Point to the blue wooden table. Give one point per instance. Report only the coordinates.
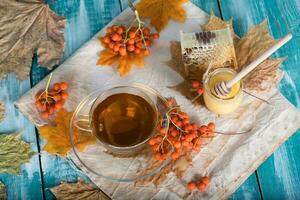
(277, 178)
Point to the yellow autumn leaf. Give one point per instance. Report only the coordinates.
(124, 63)
(160, 11)
(58, 136)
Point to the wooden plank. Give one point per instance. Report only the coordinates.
(279, 176)
(248, 190)
(84, 19)
(28, 184)
(124, 4)
(208, 6)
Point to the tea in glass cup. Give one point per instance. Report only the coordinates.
(123, 119)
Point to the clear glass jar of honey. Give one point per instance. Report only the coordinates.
(222, 104)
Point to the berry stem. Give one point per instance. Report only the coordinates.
(169, 117)
(47, 87)
(195, 98)
(127, 30)
(48, 82)
(165, 137)
(140, 24)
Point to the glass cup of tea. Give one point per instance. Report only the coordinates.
(122, 118)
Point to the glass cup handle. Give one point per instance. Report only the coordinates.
(83, 123)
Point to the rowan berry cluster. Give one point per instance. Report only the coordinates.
(51, 100)
(198, 87)
(178, 134)
(200, 185)
(133, 40)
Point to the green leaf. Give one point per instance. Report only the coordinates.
(2, 111)
(13, 152)
(2, 191)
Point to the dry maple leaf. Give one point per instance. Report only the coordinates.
(28, 27)
(160, 11)
(78, 191)
(2, 111)
(58, 136)
(265, 77)
(252, 45)
(124, 63)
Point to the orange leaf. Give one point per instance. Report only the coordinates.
(160, 11)
(58, 136)
(108, 57)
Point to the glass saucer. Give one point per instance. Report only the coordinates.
(98, 160)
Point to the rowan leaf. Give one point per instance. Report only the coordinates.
(124, 63)
(57, 136)
(2, 191)
(14, 152)
(160, 11)
(27, 27)
(2, 111)
(252, 45)
(79, 191)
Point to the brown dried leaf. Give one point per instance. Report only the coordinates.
(176, 62)
(252, 45)
(2, 111)
(182, 164)
(178, 166)
(265, 76)
(28, 27)
(215, 23)
(78, 191)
